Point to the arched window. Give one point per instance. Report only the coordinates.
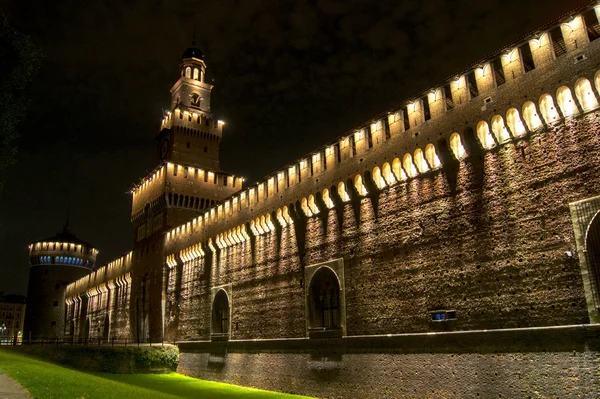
(592, 245)
(585, 94)
(431, 156)
(304, 205)
(499, 129)
(188, 72)
(378, 178)
(324, 300)
(286, 215)
(457, 147)
(531, 116)
(565, 101)
(420, 161)
(388, 175)
(484, 135)
(327, 199)
(515, 123)
(196, 73)
(312, 204)
(360, 187)
(342, 192)
(220, 313)
(408, 166)
(397, 170)
(547, 108)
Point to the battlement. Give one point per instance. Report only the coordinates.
(499, 98)
(110, 274)
(198, 123)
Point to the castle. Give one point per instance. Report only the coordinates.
(448, 247)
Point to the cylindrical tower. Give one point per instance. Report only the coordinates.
(55, 262)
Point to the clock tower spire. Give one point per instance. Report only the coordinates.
(190, 134)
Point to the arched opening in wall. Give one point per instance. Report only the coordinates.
(585, 94)
(188, 72)
(499, 129)
(592, 246)
(106, 328)
(378, 178)
(388, 175)
(531, 116)
(547, 108)
(431, 156)
(304, 205)
(397, 170)
(484, 136)
(324, 301)
(359, 185)
(342, 192)
(420, 162)
(515, 123)
(220, 314)
(312, 205)
(456, 146)
(327, 199)
(196, 73)
(565, 101)
(409, 166)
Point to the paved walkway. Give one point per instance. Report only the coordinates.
(10, 389)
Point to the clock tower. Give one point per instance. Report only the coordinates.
(186, 184)
(190, 134)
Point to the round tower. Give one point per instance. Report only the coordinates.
(55, 262)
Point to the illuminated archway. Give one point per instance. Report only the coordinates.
(327, 199)
(515, 123)
(548, 109)
(585, 94)
(409, 166)
(359, 185)
(420, 161)
(388, 175)
(397, 170)
(531, 116)
(456, 146)
(378, 178)
(565, 101)
(431, 156)
(485, 137)
(342, 192)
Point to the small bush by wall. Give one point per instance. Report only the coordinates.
(121, 360)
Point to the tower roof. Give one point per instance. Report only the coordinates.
(193, 52)
(66, 236)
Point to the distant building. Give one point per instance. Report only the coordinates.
(12, 318)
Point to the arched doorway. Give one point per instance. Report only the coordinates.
(324, 303)
(220, 314)
(592, 246)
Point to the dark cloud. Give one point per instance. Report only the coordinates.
(288, 77)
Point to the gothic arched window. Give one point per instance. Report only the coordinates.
(220, 313)
(324, 300)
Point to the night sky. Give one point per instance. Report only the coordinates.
(289, 76)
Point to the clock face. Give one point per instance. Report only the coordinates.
(164, 149)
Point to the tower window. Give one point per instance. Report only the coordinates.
(188, 72)
(196, 73)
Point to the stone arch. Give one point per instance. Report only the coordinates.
(305, 208)
(397, 170)
(585, 94)
(532, 119)
(327, 198)
(457, 147)
(359, 185)
(388, 174)
(420, 162)
(220, 313)
(343, 192)
(565, 101)
(324, 304)
(431, 156)
(378, 178)
(548, 109)
(485, 137)
(515, 123)
(312, 205)
(499, 129)
(409, 166)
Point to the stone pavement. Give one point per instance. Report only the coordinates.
(10, 389)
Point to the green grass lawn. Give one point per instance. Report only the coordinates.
(47, 380)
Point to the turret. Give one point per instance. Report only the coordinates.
(55, 262)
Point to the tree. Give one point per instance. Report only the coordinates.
(19, 63)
